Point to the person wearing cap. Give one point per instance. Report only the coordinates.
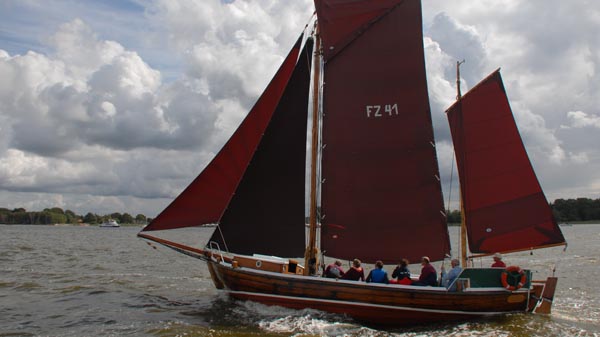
(428, 274)
(498, 261)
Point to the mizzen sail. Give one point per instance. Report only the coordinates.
(381, 195)
(505, 208)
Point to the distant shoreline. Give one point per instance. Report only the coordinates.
(69, 225)
(588, 222)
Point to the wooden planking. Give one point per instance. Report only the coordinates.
(545, 306)
(318, 288)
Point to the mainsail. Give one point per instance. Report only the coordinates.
(505, 208)
(381, 193)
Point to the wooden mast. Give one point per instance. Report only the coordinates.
(311, 254)
(463, 225)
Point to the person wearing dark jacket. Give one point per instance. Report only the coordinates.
(401, 273)
(428, 274)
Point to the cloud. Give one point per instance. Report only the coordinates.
(89, 117)
(441, 85)
(459, 42)
(579, 119)
(109, 106)
(550, 73)
(70, 117)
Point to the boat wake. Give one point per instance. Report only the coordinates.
(274, 319)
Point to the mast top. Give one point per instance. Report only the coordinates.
(458, 94)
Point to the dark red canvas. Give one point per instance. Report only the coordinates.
(505, 208)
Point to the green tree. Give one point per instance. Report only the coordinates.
(566, 210)
(140, 219)
(116, 216)
(454, 217)
(90, 218)
(57, 210)
(4, 214)
(580, 209)
(126, 218)
(19, 216)
(71, 216)
(51, 217)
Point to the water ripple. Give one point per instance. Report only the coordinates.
(109, 283)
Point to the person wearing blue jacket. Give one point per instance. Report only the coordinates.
(378, 275)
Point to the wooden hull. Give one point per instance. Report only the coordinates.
(371, 303)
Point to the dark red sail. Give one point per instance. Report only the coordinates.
(505, 208)
(267, 213)
(381, 195)
(206, 198)
(341, 21)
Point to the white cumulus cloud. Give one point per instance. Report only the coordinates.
(102, 107)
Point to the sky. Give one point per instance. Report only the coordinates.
(117, 105)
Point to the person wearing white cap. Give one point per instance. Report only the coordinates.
(498, 261)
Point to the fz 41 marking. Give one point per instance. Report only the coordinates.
(377, 111)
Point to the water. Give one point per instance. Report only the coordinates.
(90, 281)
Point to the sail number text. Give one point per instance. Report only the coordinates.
(386, 110)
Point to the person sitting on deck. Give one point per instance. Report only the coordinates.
(428, 274)
(355, 272)
(378, 275)
(498, 261)
(401, 273)
(448, 279)
(334, 270)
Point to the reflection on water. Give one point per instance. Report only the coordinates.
(88, 281)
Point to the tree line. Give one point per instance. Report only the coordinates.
(57, 215)
(569, 210)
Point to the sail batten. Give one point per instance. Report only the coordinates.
(505, 208)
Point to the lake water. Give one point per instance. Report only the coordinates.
(90, 281)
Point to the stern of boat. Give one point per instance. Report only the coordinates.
(542, 295)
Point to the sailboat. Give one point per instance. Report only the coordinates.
(354, 87)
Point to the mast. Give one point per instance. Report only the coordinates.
(311, 254)
(463, 225)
